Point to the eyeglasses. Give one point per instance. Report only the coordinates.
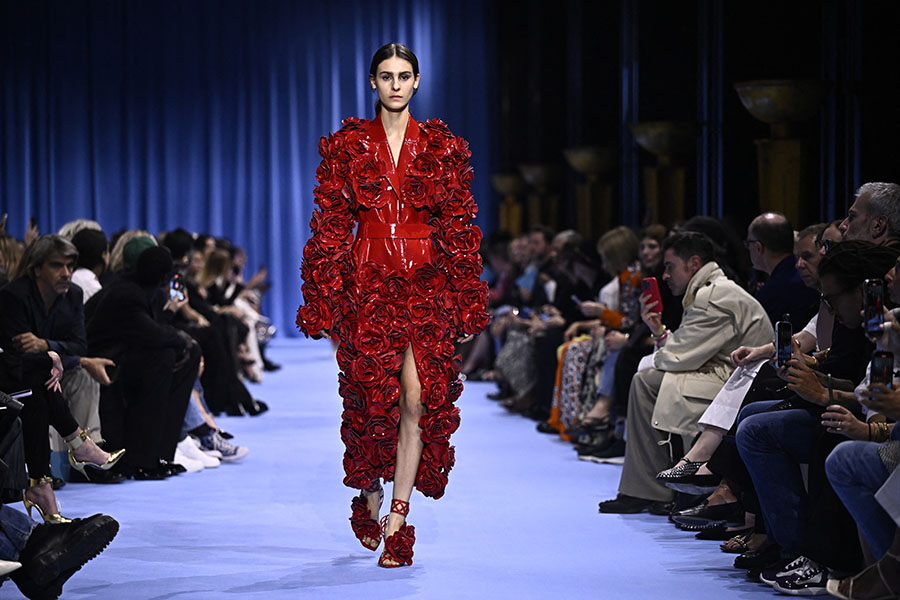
(830, 299)
(826, 244)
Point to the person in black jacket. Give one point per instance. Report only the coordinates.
(42, 334)
(128, 321)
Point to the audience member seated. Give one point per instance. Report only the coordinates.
(223, 390)
(93, 258)
(45, 556)
(770, 242)
(42, 335)
(773, 443)
(222, 293)
(587, 402)
(144, 409)
(689, 368)
(875, 215)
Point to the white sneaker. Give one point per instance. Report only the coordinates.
(190, 464)
(187, 447)
(8, 566)
(204, 450)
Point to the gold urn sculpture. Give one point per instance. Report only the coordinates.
(594, 197)
(665, 184)
(784, 159)
(543, 203)
(511, 186)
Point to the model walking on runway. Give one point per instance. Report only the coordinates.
(396, 297)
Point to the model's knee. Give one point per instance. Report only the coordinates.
(411, 404)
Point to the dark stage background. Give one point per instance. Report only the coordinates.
(207, 114)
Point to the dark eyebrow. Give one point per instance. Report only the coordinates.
(400, 73)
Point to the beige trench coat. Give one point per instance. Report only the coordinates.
(719, 316)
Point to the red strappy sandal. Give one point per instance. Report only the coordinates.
(398, 547)
(364, 526)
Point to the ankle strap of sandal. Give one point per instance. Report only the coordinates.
(401, 507)
(76, 442)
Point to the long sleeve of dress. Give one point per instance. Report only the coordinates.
(326, 265)
(456, 239)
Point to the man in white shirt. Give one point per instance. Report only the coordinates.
(93, 258)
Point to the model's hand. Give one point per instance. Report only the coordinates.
(56, 373)
(96, 368)
(464, 339)
(881, 398)
(27, 343)
(838, 419)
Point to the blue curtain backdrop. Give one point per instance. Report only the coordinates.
(206, 114)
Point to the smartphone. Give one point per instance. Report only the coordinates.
(882, 370)
(784, 334)
(650, 287)
(525, 312)
(176, 288)
(873, 305)
(20, 394)
(111, 371)
(32, 222)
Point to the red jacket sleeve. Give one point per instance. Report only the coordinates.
(327, 256)
(456, 239)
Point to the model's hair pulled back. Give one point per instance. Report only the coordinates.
(389, 51)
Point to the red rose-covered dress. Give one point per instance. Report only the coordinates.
(409, 277)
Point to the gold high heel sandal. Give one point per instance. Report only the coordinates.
(76, 442)
(53, 519)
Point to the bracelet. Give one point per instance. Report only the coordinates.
(662, 335)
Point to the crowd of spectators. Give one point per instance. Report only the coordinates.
(120, 352)
(782, 448)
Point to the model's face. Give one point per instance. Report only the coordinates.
(56, 273)
(845, 304)
(856, 225)
(678, 272)
(395, 83)
(651, 253)
(808, 258)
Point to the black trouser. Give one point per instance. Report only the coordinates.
(143, 410)
(42, 409)
(222, 389)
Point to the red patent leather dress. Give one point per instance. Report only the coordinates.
(409, 277)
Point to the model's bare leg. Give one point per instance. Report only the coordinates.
(409, 444)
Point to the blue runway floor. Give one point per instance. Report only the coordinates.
(519, 519)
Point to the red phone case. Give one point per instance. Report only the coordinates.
(650, 287)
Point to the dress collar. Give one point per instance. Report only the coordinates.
(407, 150)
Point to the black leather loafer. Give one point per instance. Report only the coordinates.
(700, 516)
(625, 505)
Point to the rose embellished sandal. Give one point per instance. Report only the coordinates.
(364, 526)
(398, 547)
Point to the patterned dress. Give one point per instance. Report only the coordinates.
(409, 278)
